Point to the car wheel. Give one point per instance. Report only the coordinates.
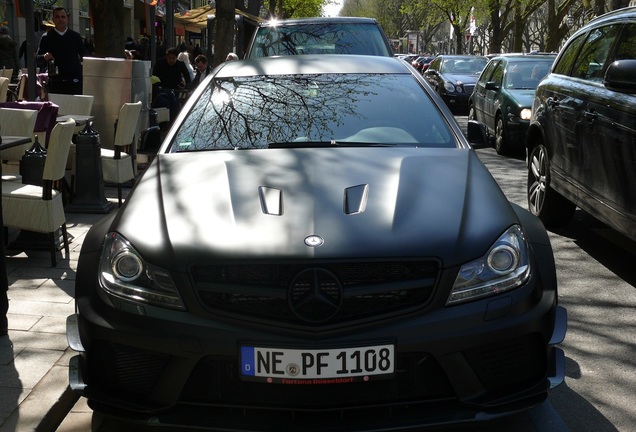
(501, 141)
(543, 201)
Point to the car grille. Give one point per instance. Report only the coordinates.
(311, 294)
(468, 88)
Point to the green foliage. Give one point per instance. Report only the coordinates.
(296, 8)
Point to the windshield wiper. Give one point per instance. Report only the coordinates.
(324, 144)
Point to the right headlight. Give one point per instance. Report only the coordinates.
(504, 267)
(123, 273)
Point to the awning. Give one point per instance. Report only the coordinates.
(198, 18)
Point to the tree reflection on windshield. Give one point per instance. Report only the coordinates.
(252, 112)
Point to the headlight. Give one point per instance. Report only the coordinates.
(525, 114)
(504, 267)
(449, 87)
(124, 273)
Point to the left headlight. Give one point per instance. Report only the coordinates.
(124, 273)
(504, 267)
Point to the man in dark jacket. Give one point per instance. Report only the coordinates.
(173, 76)
(202, 70)
(8, 51)
(64, 50)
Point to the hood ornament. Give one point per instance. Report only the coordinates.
(314, 241)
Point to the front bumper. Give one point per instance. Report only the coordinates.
(476, 361)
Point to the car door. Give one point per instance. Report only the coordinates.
(491, 99)
(576, 77)
(479, 94)
(608, 177)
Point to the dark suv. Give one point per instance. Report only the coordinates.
(581, 142)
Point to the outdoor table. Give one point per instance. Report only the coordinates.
(80, 120)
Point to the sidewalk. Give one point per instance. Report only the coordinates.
(34, 357)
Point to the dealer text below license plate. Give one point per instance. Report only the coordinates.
(313, 366)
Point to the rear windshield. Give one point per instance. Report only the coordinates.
(312, 110)
(324, 38)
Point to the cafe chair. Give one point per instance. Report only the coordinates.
(40, 208)
(4, 88)
(6, 73)
(18, 122)
(118, 165)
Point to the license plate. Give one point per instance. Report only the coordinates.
(317, 366)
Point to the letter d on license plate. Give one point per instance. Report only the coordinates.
(317, 366)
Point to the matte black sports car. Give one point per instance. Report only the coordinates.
(305, 253)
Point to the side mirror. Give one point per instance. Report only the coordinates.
(477, 134)
(491, 85)
(620, 76)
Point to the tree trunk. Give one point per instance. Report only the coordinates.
(108, 23)
(495, 27)
(224, 41)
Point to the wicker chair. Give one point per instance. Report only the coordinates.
(118, 165)
(40, 208)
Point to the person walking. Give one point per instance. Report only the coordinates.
(64, 50)
(8, 51)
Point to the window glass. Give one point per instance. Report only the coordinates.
(487, 73)
(590, 63)
(260, 112)
(319, 39)
(564, 66)
(626, 48)
(497, 75)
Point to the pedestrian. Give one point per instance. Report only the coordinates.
(8, 51)
(61, 51)
(174, 76)
(203, 69)
(231, 56)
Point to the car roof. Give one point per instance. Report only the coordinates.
(318, 20)
(313, 64)
(616, 15)
(525, 58)
(460, 56)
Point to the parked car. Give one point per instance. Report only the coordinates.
(332, 35)
(305, 253)
(421, 63)
(582, 138)
(503, 95)
(454, 78)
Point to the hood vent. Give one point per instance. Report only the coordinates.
(355, 199)
(271, 200)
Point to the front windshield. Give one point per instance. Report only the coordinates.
(526, 75)
(311, 110)
(464, 66)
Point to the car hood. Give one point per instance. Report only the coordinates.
(363, 202)
(466, 79)
(522, 98)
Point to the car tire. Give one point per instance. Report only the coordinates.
(501, 140)
(551, 207)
